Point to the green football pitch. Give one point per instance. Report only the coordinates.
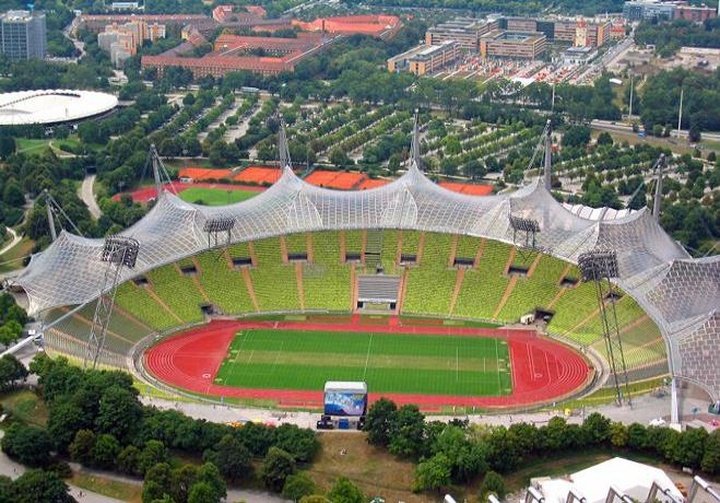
(389, 363)
(215, 197)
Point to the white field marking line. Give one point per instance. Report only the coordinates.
(457, 364)
(367, 357)
(233, 369)
(497, 370)
(277, 357)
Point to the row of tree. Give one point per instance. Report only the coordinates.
(458, 453)
(95, 418)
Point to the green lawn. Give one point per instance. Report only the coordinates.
(28, 145)
(390, 363)
(215, 197)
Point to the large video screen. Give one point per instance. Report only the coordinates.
(339, 403)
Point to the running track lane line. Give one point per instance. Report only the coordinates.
(170, 362)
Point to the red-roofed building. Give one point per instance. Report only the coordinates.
(231, 54)
(375, 25)
(97, 22)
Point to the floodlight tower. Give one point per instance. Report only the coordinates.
(527, 225)
(215, 226)
(599, 266)
(117, 252)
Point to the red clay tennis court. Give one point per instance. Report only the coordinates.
(542, 370)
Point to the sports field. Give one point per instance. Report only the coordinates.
(215, 197)
(287, 361)
(390, 363)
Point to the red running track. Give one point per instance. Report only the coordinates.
(542, 370)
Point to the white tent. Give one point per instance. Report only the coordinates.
(624, 476)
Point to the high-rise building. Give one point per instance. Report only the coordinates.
(23, 35)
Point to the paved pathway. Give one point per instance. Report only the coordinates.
(13, 470)
(87, 195)
(15, 240)
(643, 410)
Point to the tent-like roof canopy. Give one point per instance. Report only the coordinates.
(681, 294)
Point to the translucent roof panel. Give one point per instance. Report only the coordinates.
(678, 292)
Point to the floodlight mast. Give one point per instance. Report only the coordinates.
(599, 266)
(117, 252)
(214, 226)
(527, 225)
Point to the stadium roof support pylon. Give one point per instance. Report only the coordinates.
(681, 294)
(547, 170)
(657, 201)
(415, 144)
(283, 148)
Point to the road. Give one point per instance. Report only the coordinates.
(622, 128)
(85, 192)
(13, 470)
(15, 240)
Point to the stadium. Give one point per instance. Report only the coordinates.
(55, 106)
(411, 287)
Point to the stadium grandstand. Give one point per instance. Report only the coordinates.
(297, 247)
(53, 106)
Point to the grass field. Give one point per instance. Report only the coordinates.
(390, 363)
(215, 197)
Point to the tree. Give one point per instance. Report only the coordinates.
(81, 447)
(182, 480)
(618, 434)
(711, 459)
(492, 483)
(297, 486)
(406, 438)
(209, 475)
(153, 453)
(604, 138)
(202, 493)
(380, 421)
(344, 491)
(338, 157)
(105, 451)
(690, 448)
(232, 458)
(119, 413)
(34, 486)
(277, 466)
(301, 443)
(597, 428)
(128, 461)
(433, 474)
(11, 371)
(7, 147)
(64, 421)
(13, 194)
(29, 445)
(576, 136)
(157, 482)
(694, 134)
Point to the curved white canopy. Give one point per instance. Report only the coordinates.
(681, 294)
